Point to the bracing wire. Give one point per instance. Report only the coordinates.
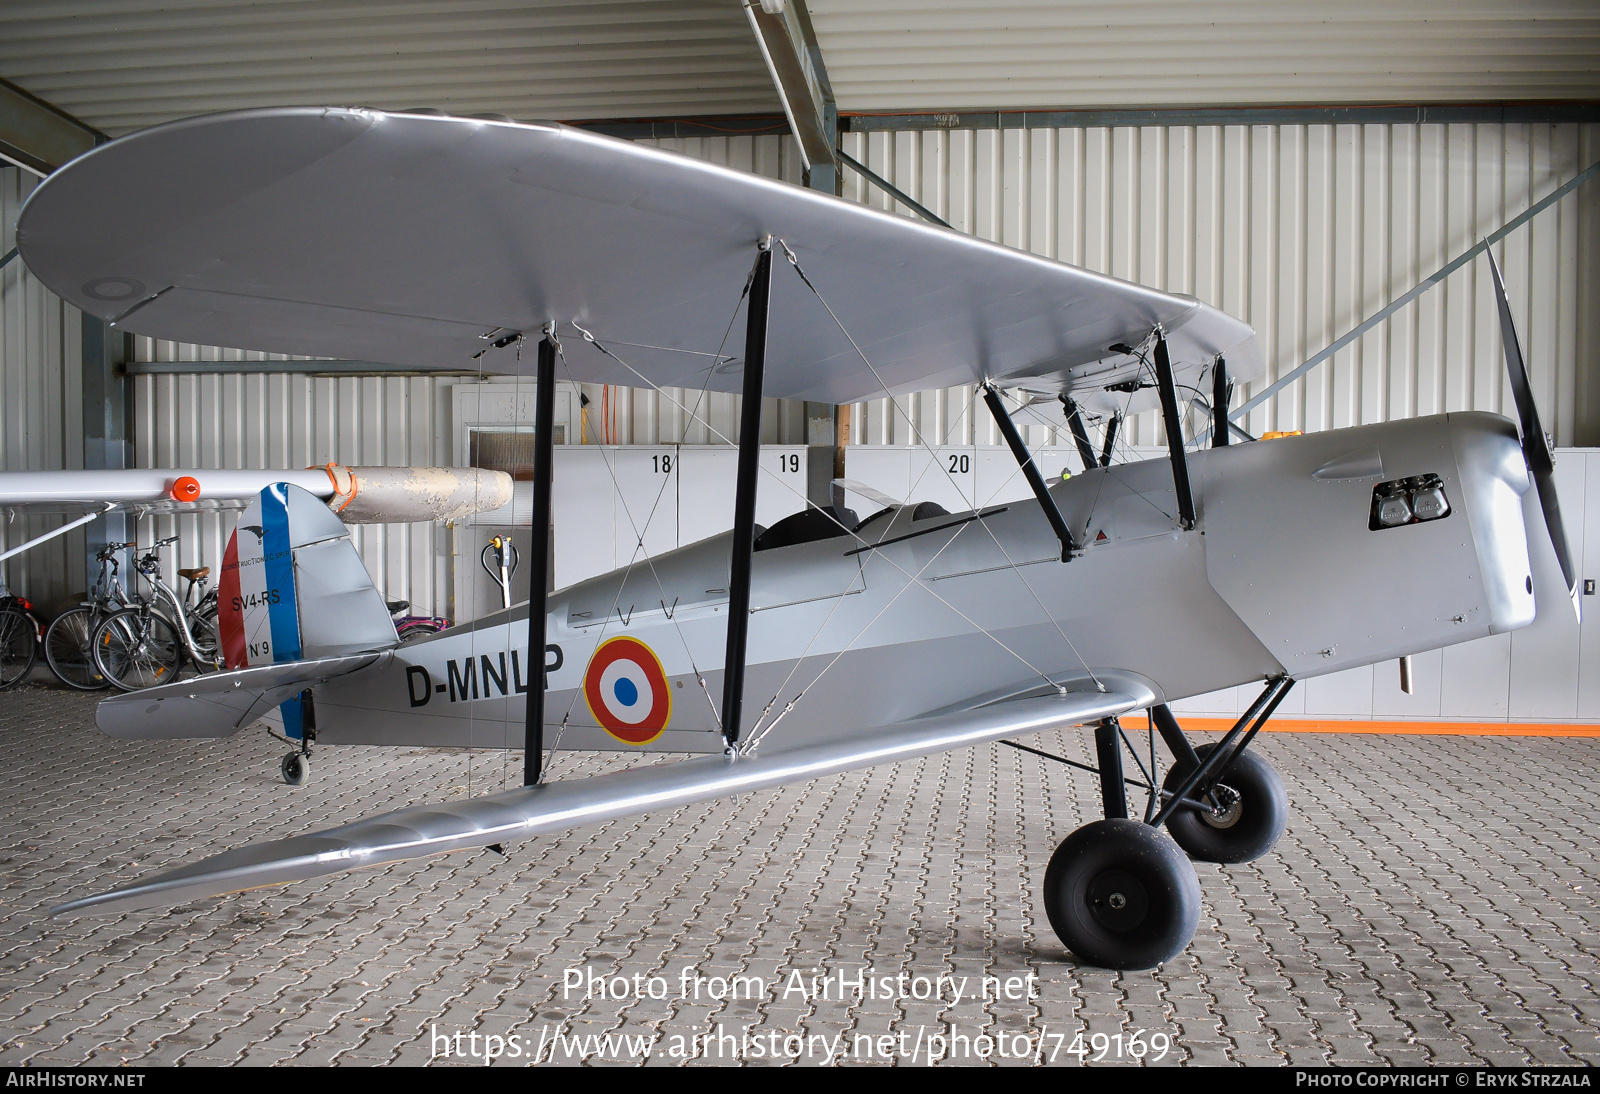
(692, 415)
(808, 502)
(794, 261)
(638, 532)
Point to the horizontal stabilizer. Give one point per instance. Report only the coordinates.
(219, 704)
(423, 830)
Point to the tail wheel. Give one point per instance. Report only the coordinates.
(1121, 895)
(296, 768)
(1251, 812)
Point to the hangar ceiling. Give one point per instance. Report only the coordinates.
(123, 64)
(927, 55)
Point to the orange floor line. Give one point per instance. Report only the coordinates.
(1331, 725)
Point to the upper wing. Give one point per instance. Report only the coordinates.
(422, 240)
(515, 814)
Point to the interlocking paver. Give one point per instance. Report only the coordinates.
(1432, 902)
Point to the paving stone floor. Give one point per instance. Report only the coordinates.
(1434, 901)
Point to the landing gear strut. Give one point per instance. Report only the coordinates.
(296, 766)
(1123, 895)
(1247, 812)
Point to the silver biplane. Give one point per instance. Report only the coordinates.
(825, 642)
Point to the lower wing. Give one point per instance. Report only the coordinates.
(423, 830)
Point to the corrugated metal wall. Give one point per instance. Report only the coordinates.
(41, 404)
(1302, 231)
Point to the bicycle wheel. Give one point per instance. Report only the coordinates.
(416, 631)
(18, 646)
(137, 649)
(207, 639)
(68, 653)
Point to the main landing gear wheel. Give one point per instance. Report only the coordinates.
(296, 768)
(1121, 895)
(1252, 810)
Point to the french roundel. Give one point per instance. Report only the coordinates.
(627, 691)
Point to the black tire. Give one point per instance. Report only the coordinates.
(1257, 812)
(70, 653)
(19, 645)
(207, 637)
(137, 649)
(296, 768)
(1121, 895)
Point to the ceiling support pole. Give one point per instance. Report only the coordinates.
(1008, 430)
(37, 136)
(744, 501)
(108, 420)
(1174, 425)
(539, 565)
(788, 45)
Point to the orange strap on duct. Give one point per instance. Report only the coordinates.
(345, 487)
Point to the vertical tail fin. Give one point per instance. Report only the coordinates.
(293, 587)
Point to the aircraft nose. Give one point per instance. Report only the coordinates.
(1494, 481)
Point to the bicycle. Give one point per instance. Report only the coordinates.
(19, 638)
(68, 649)
(140, 647)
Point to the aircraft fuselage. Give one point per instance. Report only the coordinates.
(1289, 569)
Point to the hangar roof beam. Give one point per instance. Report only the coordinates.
(789, 46)
(38, 137)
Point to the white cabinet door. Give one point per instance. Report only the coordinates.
(781, 488)
(647, 501)
(1544, 656)
(582, 502)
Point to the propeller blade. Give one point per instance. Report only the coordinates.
(1535, 443)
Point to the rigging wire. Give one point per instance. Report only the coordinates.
(860, 539)
(638, 533)
(917, 433)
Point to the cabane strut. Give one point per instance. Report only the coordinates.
(1174, 426)
(1008, 429)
